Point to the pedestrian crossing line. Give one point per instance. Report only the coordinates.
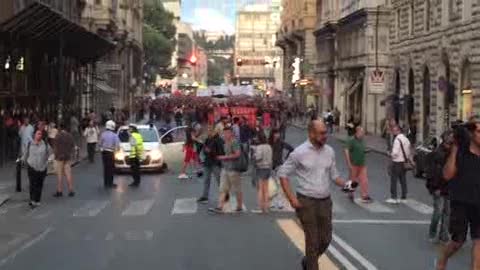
(138, 208)
(355, 254)
(110, 236)
(185, 206)
(291, 229)
(91, 209)
(374, 207)
(138, 235)
(5, 185)
(419, 206)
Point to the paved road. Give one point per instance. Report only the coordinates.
(160, 226)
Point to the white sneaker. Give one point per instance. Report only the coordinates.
(392, 201)
(403, 200)
(183, 176)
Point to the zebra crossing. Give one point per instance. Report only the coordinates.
(189, 206)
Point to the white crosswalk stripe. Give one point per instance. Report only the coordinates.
(374, 207)
(138, 208)
(91, 209)
(419, 207)
(185, 206)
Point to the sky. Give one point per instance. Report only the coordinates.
(213, 15)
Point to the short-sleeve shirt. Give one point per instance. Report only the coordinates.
(313, 168)
(230, 148)
(356, 148)
(465, 187)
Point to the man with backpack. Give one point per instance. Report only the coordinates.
(230, 175)
(213, 147)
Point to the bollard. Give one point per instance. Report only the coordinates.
(18, 175)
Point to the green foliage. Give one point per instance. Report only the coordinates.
(218, 67)
(158, 37)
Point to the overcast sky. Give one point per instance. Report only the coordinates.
(213, 15)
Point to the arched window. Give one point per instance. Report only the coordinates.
(427, 15)
(426, 103)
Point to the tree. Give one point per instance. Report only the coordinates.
(158, 38)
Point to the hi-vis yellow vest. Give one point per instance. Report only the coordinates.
(137, 150)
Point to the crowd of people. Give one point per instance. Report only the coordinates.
(223, 151)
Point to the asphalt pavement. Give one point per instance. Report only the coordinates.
(160, 226)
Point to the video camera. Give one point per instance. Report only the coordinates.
(461, 134)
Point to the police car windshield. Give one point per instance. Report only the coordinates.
(148, 135)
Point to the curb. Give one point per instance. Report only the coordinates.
(4, 199)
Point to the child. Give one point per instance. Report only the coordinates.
(191, 157)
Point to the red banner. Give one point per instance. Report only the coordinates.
(247, 112)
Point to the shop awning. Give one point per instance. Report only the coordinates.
(104, 87)
(46, 26)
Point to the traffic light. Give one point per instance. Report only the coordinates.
(193, 59)
(239, 61)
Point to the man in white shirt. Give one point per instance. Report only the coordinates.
(26, 135)
(313, 165)
(400, 154)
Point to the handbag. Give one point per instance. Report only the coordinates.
(408, 164)
(241, 165)
(272, 188)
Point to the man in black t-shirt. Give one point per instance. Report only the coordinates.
(462, 171)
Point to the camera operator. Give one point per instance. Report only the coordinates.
(462, 170)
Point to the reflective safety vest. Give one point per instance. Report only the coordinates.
(137, 149)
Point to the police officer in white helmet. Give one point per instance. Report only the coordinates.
(109, 143)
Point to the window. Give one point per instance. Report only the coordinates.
(398, 23)
(427, 15)
(412, 18)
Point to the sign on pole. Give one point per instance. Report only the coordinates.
(377, 82)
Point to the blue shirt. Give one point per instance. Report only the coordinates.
(109, 141)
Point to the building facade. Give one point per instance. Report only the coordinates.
(353, 59)
(43, 70)
(255, 52)
(119, 74)
(435, 55)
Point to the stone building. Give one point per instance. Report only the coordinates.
(435, 51)
(119, 74)
(295, 37)
(353, 61)
(255, 46)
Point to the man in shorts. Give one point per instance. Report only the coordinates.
(229, 177)
(462, 171)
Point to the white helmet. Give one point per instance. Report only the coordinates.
(110, 125)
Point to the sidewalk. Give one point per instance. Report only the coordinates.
(374, 143)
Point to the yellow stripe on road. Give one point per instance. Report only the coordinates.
(296, 235)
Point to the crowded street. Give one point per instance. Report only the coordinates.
(160, 223)
(240, 134)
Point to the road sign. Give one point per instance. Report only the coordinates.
(377, 82)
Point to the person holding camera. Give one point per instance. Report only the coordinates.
(462, 171)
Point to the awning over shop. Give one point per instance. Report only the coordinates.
(104, 87)
(43, 24)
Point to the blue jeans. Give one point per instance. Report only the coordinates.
(440, 216)
(210, 171)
